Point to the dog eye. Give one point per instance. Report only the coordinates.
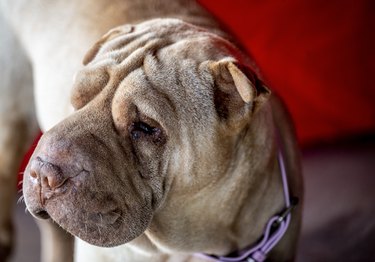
(141, 129)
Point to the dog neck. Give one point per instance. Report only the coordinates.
(275, 228)
(257, 167)
(244, 199)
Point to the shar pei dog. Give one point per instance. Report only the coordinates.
(166, 146)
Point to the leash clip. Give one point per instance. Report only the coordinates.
(286, 212)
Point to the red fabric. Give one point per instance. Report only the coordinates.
(318, 55)
(26, 159)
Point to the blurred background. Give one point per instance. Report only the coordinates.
(319, 56)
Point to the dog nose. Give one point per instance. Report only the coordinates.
(49, 176)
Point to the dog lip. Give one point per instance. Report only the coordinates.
(48, 194)
(41, 214)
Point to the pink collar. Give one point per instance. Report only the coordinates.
(274, 229)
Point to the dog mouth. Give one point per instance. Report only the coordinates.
(40, 213)
(109, 218)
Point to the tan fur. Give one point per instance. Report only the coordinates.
(171, 149)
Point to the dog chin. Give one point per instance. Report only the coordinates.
(108, 229)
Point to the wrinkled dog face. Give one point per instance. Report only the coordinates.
(153, 103)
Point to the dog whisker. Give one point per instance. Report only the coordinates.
(100, 234)
(20, 200)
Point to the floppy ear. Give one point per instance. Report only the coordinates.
(90, 55)
(238, 93)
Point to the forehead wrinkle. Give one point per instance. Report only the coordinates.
(142, 42)
(163, 78)
(160, 92)
(123, 40)
(136, 58)
(159, 77)
(151, 101)
(120, 50)
(119, 71)
(183, 82)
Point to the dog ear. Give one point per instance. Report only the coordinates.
(238, 93)
(90, 55)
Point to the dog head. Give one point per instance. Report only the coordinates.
(157, 106)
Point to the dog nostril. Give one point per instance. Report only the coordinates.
(51, 181)
(33, 174)
(42, 214)
(46, 181)
(50, 176)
